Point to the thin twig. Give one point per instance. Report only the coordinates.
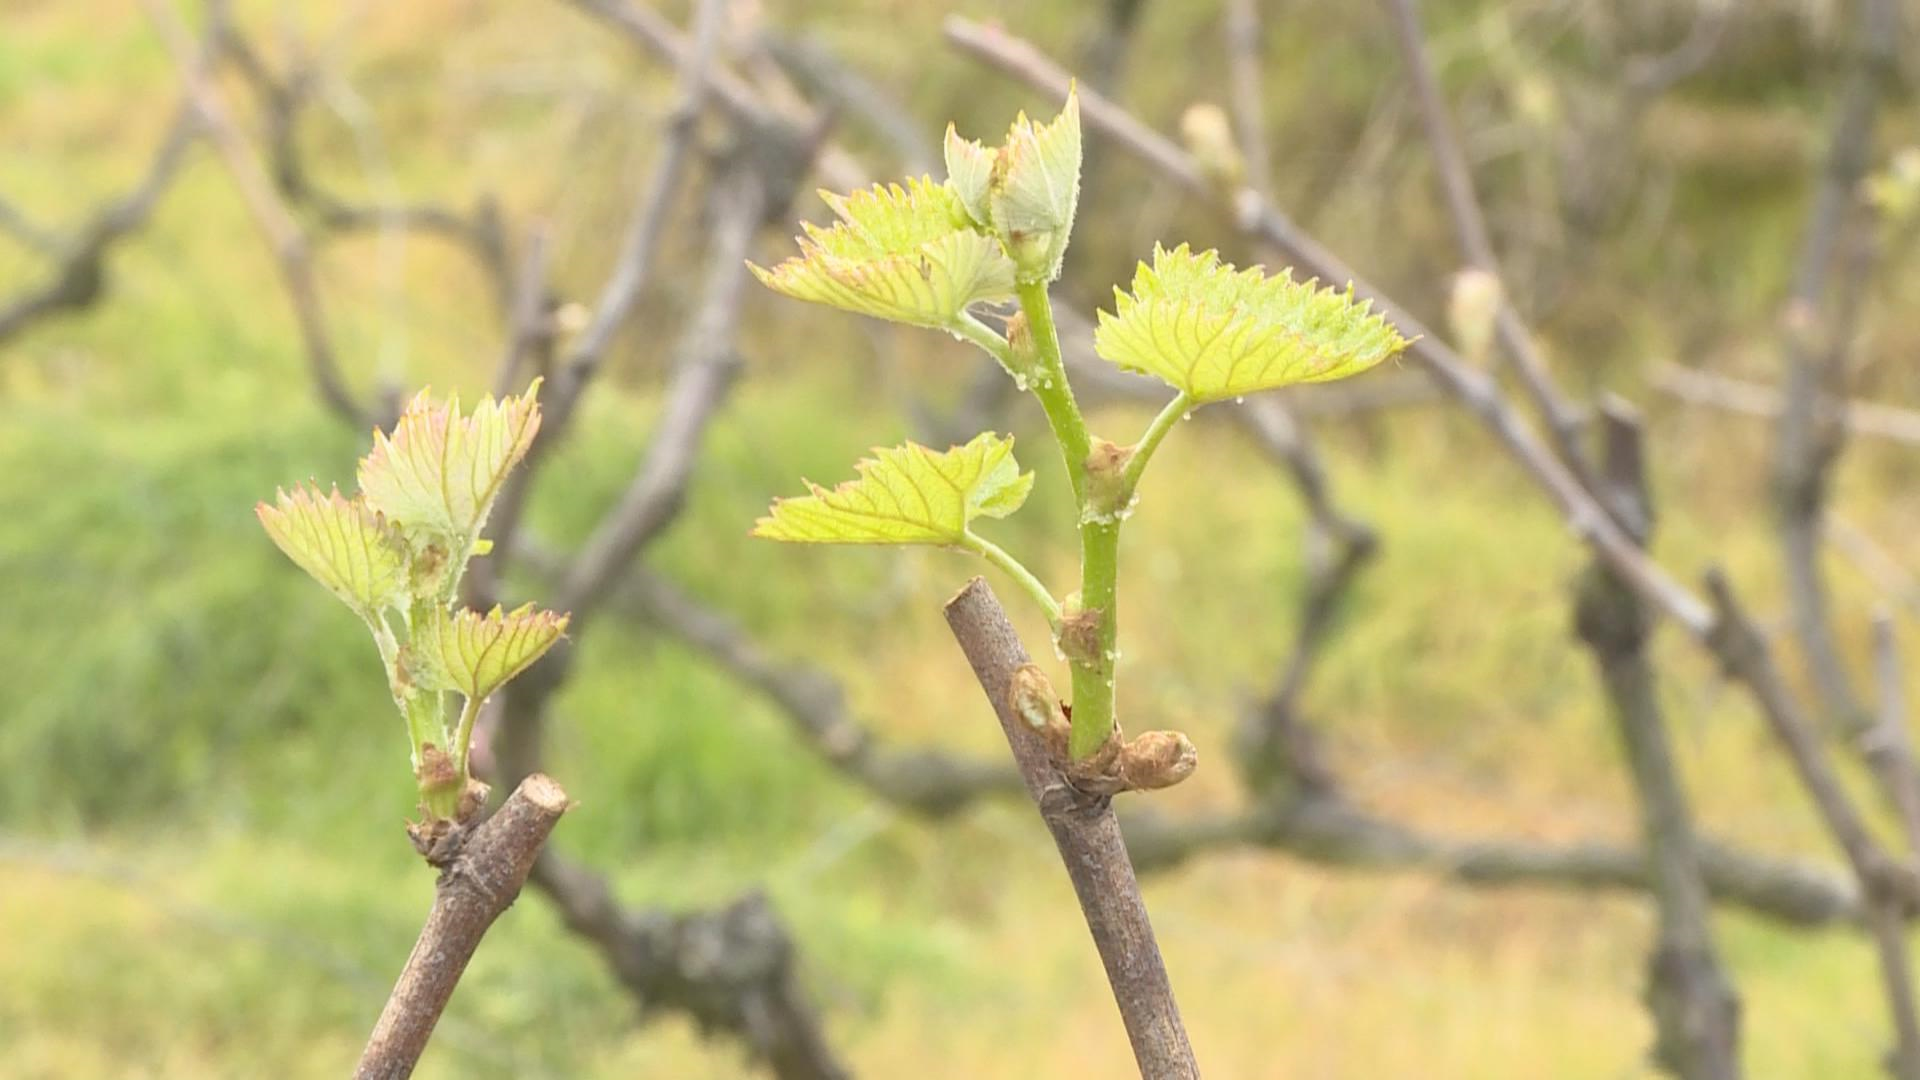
(1334, 832)
(285, 240)
(1810, 440)
(529, 315)
(1889, 888)
(1091, 848)
(632, 267)
(1274, 738)
(1245, 43)
(706, 369)
(1888, 746)
(475, 888)
(816, 69)
(1724, 392)
(1517, 341)
(929, 782)
(78, 276)
(283, 100)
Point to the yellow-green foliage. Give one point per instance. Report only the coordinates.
(1215, 333)
(907, 495)
(904, 253)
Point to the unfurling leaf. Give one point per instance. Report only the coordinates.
(1035, 190)
(439, 471)
(909, 254)
(475, 653)
(1215, 333)
(344, 543)
(906, 495)
(969, 171)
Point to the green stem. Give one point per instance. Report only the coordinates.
(1093, 669)
(1056, 397)
(1179, 408)
(463, 737)
(425, 723)
(1092, 655)
(987, 338)
(1017, 570)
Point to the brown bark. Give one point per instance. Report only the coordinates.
(1091, 848)
(476, 886)
(1696, 1011)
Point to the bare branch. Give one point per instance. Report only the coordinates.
(80, 264)
(622, 289)
(1476, 244)
(1887, 746)
(1810, 439)
(1740, 645)
(1104, 57)
(1244, 40)
(1695, 1009)
(476, 887)
(529, 315)
(1697, 387)
(1091, 847)
(706, 369)
(731, 969)
(1650, 75)
(925, 781)
(14, 222)
(933, 783)
(655, 35)
(1273, 738)
(1334, 832)
(275, 223)
(1890, 889)
(823, 75)
(283, 99)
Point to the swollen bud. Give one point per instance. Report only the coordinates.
(1107, 494)
(1209, 138)
(1472, 310)
(1157, 759)
(1033, 190)
(1023, 357)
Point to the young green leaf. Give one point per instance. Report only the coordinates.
(908, 254)
(477, 653)
(906, 495)
(1214, 332)
(344, 543)
(1035, 189)
(439, 471)
(969, 172)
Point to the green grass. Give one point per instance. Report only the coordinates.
(201, 866)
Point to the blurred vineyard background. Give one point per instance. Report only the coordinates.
(201, 866)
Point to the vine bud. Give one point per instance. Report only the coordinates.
(1208, 133)
(1034, 189)
(1472, 309)
(1106, 469)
